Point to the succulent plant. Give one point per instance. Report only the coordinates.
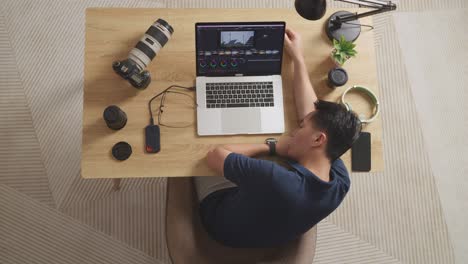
(343, 50)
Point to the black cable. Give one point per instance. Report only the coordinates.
(360, 25)
(161, 105)
(192, 88)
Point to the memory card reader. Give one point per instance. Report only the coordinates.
(152, 139)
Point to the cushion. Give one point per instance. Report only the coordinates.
(188, 242)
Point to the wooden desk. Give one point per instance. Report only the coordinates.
(112, 33)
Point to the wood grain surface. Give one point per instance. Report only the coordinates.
(112, 32)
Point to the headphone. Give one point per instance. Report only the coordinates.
(367, 92)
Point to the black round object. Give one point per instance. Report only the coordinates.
(165, 24)
(121, 151)
(350, 30)
(115, 118)
(337, 77)
(311, 9)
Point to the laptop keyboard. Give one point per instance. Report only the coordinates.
(239, 94)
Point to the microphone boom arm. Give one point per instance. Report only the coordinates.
(380, 5)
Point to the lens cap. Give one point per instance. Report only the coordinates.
(337, 77)
(121, 151)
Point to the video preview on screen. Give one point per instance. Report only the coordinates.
(237, 39)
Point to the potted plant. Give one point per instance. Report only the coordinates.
(343, 51)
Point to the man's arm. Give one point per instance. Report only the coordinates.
(304, 93)
(305, 98)
(217, 156)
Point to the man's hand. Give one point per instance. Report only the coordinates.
(293, 45)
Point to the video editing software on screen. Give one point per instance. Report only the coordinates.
(224, 50)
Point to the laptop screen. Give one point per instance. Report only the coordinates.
(228, 49)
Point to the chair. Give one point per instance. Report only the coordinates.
(188, 243)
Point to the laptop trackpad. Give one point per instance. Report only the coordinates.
(241, 121)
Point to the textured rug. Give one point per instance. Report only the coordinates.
(35, 233)
(434, 51)
(390, 217)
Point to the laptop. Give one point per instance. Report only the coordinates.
(239, 86)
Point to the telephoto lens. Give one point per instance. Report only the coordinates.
(115, 118)
(133, 68)
(149, 45)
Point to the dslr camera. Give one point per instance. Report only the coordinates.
(133, 68)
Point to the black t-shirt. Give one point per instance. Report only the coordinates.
(271, 205)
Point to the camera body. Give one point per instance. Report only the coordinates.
(129, 70)
(133, 68)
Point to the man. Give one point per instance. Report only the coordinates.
(261, 204)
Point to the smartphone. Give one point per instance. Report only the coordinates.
(361, 153)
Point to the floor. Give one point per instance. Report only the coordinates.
(411, 213)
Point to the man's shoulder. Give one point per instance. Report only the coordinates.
(340, 173)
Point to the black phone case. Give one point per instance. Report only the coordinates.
(153, 142)
(361, 153)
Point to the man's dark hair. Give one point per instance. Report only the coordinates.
(341, 126)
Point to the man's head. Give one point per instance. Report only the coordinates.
(330, 130)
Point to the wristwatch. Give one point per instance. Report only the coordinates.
(271, 142)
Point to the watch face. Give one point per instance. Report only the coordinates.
(271, 140)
